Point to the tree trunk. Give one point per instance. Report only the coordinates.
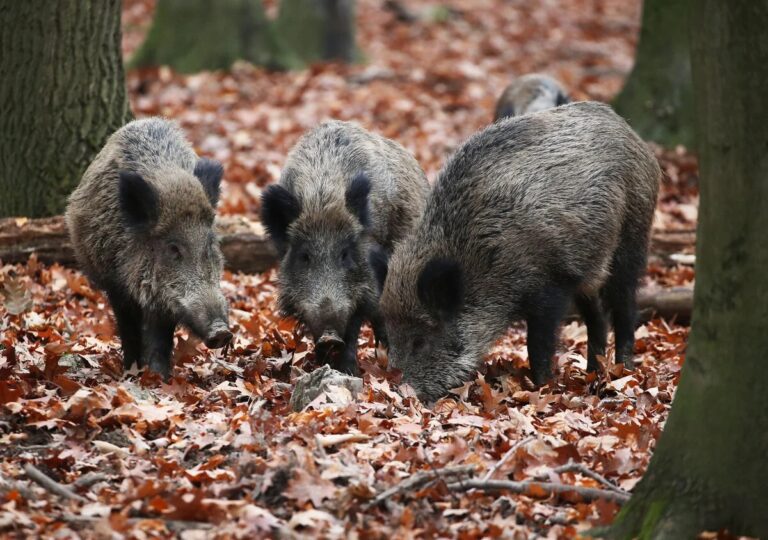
(62, 95)
(196, 35)
(657, 98)
(708, 471)
(318, 29)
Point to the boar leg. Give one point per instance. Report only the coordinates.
(158, 342)
(619, 295)
(592, 313)
(543, 321)
(348, 360)
(128, 316)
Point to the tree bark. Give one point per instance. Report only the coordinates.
(196, 35)
(62, 95)
(657, 98)
(318, 29)
(708, 471)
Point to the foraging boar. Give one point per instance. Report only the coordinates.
(530, 93)
(141, 223)
(528, 214)
(345, 197)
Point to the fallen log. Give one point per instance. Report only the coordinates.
(243, 242)
(668, 303)
(246, 249)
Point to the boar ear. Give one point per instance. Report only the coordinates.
(562, 99)
(507, 111)
(209, 172)
(357, 197)
(379, 262)
(440, 288)
(138, 200)
(279, 207)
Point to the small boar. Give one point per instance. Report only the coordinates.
(141, 223)
(345, 196)
(528, 214)
(530, 93)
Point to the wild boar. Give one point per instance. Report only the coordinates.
(530, 93)
(141, 224)
(528, 214)
(345, 196)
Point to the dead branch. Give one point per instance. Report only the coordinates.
(583, 470)
(420, 480)
(88, 479)
(37, 476)
(506, 456)
(173, 525)
(536, 489)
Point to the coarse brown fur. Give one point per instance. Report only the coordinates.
(530, 93)
(529, 213)
(141, 225)
(345, 195)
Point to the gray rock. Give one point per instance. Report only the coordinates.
(310, 386)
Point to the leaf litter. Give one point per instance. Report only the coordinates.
(218, 450)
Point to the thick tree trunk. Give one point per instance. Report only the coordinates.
(196, 35)
(657, 99)
(62, 95)
(318, 29)
(709, 470)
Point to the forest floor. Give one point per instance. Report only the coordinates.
(218, 451)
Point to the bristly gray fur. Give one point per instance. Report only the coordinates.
(136, 267)
(530, 93)
(325, 277)
(553, 199)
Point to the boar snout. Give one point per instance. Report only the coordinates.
(327, 320)
(218, 336)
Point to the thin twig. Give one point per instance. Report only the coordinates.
(173, 525)
(582, 469)
(421, 479)
(506, 456)
(88, 479)
(37, 476)
(530, 487)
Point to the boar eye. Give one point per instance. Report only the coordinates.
(175, 252)
(418, 344)
(346, 257)
(304, 257)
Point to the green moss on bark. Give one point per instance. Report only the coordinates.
(196, 35)
(62, 95)
(657, 98)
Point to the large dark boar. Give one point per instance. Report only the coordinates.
(345, 196)
(530, 93)
(141, 223)
(528, 214)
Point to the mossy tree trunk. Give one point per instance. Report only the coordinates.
(62, 95)
(318, 29)
(195, 35)
(708, 471)
(657, 98)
